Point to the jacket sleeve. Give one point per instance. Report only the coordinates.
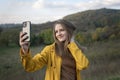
(37, 62)
(81, 60)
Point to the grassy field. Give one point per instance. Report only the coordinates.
(104, 60)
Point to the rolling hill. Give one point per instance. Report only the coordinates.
(92, 19)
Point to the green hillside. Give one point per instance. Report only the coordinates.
(92, 19)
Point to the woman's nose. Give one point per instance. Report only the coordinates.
(59, 33)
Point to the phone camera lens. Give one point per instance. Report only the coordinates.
(24, 24)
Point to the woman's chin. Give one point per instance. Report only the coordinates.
(61, 41)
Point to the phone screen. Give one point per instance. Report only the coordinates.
(26, 29)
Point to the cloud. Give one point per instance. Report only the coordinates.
(111, 2)
(93, 4)
(63, 4)
(13, 19)
(38, 4)
(48, 5)
(15, 7)
(33, 19)
(19, 4)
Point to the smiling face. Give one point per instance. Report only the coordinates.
(60, 33)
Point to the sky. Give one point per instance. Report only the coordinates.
(40, 11)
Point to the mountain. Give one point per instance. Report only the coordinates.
(91, 19)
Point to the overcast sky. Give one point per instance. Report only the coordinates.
(39, 11)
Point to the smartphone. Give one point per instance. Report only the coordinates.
(26, 29)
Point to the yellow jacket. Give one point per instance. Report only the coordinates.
(53, 62)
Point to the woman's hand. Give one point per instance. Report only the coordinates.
(24, 44)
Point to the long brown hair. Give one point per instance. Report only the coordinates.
(61, 47)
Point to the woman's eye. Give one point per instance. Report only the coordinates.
(62, 30)
(56, 31)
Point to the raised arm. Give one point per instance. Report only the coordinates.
(81, 60)
(31, 63)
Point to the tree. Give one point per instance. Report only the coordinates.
(1, 29)
(4, 41)
(47, 37)
(80, 38)
(9, 38)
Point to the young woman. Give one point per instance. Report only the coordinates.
(64, 59)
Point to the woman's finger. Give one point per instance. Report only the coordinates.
(22, 34)
(24, 38)
(24, 43)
